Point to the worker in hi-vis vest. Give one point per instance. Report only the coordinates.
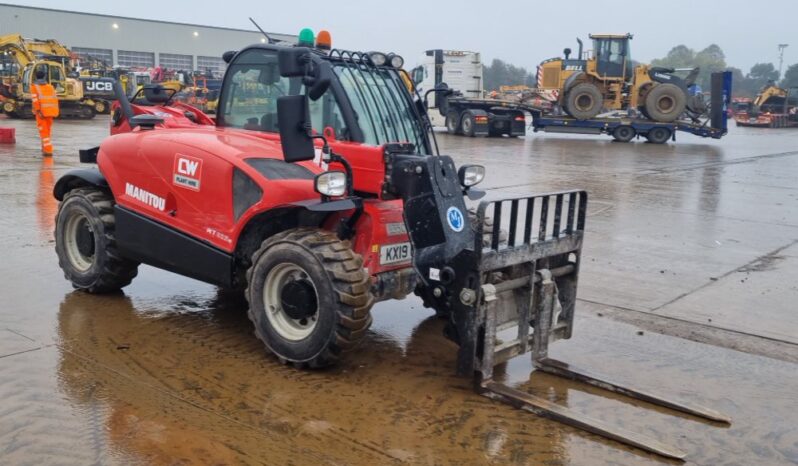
(45, 107)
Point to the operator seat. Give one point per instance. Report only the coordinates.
(268, 122)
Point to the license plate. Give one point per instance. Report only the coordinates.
(395, 253)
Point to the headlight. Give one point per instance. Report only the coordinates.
(471, 175)
(378, 58)
(331, 184)
(396, 61)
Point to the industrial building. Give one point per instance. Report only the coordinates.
(131, 42)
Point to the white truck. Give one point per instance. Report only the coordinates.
(465, 112)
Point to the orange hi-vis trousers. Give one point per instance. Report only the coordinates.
(45, 125)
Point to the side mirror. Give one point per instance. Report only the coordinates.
(292, 113)
(228, 56)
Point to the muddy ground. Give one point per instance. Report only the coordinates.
(689, 286)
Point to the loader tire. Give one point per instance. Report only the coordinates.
(665, 102)
(440, 304)
(309, 297)
(86, 245)
(584, 101)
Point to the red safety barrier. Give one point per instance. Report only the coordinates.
(7, 135)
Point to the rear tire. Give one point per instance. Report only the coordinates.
(309, 296)
(584, 101)
(665, 102)
(86, 245)
(467, 124)
(453, 122)
(624, 133)
(658, 135)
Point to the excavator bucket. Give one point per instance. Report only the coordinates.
(508, 283)
(526, 300)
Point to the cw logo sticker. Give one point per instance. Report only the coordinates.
(187, 172)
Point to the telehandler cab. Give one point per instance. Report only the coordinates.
(319, 191)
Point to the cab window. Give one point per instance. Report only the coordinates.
(253, 87)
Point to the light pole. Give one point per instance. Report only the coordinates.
(781, 56)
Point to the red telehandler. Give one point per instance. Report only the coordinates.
(319, 191)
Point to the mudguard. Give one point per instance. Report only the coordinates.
(78, 178)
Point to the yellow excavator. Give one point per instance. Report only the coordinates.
(21, 59)
(606, 79)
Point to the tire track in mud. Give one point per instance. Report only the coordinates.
(207, 393)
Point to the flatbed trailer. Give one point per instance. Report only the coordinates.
(487, 117)
(623, 129)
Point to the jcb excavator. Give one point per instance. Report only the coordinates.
(28, 56)
(607, 78)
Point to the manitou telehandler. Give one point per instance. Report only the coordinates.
(319, 191)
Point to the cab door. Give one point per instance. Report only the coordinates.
(611, 57)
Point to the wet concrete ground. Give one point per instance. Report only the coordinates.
(688, 287)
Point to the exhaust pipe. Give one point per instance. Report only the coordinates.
(581, 47)
(122, 98)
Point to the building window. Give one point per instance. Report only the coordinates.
(135, 59)
(173, 61)
(94, 58)
(214, 65)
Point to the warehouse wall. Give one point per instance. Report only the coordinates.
(86, 30)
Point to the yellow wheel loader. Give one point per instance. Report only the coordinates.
(606, 78)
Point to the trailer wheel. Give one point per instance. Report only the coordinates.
(658, 135)
(665, 102)
(453, 122)
(467, 124)
(624, 133)
(86, 245)
(584, 101)
(309, 296)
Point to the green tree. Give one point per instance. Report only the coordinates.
(790, 77)
(500, 74)
(680, 56)
(764, 72)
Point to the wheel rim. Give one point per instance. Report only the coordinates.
(288, 327)
(666, 104)
(450, 124)
(467, 124)
(584, 102)
(79, 242)
(625, 133)
(100, 107)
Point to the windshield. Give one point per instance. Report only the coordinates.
(381, 107)
(384, 110)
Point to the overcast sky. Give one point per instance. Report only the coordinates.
(520, 32)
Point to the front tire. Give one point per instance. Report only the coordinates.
(86, 245)
(584, 101)
(665, 102)
(309, 296)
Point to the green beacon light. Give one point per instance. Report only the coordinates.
(306, 38)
